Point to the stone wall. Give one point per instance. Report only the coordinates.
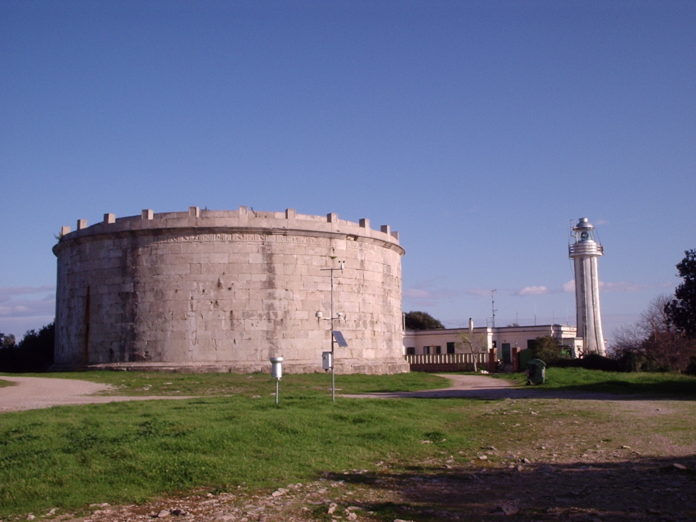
(225, 290)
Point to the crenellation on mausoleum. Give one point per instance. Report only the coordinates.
(241, 217)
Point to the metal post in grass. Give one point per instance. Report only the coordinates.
(277, 374)
(332, 318)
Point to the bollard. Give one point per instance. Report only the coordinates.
(277, 374)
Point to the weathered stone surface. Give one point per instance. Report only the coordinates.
(225, 290)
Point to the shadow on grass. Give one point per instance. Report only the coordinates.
(676, 389)
(604, 390)
(525, 393)
(642, 489)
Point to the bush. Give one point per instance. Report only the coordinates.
(691, 368)
(631, 361)
(548, 350)
(594, 361)
(591, 361)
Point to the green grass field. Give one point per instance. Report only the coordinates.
(233, 434)
(71, 456)
(124, 452)
(650, 383)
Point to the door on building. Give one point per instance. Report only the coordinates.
(507, 357)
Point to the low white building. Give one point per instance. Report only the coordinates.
(482, 339)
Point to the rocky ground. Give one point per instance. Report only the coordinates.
(577, 472)
(652, 489)
(600, 459)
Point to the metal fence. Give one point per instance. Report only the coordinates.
(447, 362)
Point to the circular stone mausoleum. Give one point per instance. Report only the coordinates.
(226, 290)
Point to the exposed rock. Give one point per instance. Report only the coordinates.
(507, 508)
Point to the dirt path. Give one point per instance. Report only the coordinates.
(484, 387)
(31, 393)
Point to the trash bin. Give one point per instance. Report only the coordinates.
(536, 371)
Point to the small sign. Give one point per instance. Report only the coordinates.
(338, 336)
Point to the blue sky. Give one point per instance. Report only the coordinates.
(480, 130)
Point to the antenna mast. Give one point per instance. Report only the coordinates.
(493, 308)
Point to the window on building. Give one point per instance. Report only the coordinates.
(410, 350)
(450, 347)
(438, 349)
(426, 350)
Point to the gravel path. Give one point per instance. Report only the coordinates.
(31, 393)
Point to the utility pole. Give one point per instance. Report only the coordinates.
(332, 318)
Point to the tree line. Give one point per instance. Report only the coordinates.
(34, 353)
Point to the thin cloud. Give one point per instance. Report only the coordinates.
(425, 294)
(26, 309)
(417, 293)
(9, 292)
(478, 292)
(621, 286)
(609, 286)
(533, 290)
(26, 302)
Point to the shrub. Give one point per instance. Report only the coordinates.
(591, 361)
(691, 368)
(548, 350)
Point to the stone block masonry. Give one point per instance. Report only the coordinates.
(206, 290)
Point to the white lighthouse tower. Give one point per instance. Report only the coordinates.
(584, 252)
